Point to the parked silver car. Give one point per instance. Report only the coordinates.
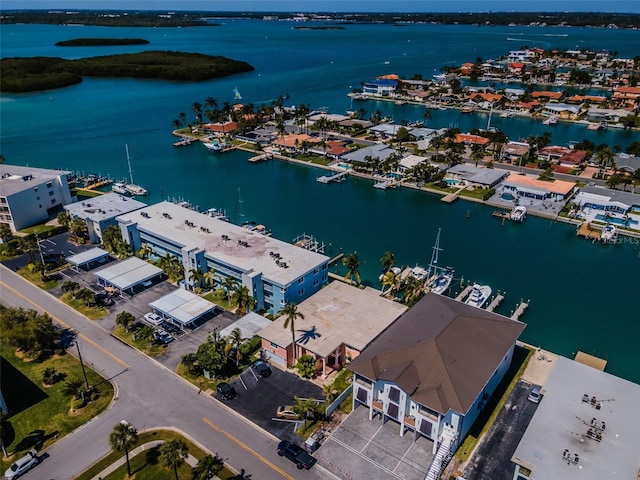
(23, 465)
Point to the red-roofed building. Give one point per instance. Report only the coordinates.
(469, 139)
(626, 96)
(219, 128)
(548, 95)
(467, 68)
(573, 158)
(488, 97)
(552, 153)
(332, 148)
(516, 67)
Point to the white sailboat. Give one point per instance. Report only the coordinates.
(236, 94)
(439, 279)
(131, 187)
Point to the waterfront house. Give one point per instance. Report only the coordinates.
(469, 139)
(259, 136)
(100, 212)
(382, 87)
(410, 162)
(585, 428)
(476, 177)
(434, 369)
(626, 163)
(275, 272)
(331, 149)
(552, 153)
(592, 200)
(573, 158)
(562, 110)
(534, 190)
(220, 128)
(295, 142)
(385, 131)
(513, 152)
(516, 68)
(547, 96)
(626, 97)
(339, 322)
(30, 195)
(522, 55)
(381, 151)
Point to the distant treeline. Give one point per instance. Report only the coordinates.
(103, 18)
(191, 19)
(42, 73)
(101, 42)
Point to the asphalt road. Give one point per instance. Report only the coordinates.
(148, 396)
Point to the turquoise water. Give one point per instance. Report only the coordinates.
(507, 196)
(571, 282)
(452, 181)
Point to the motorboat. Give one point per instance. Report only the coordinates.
(479, 295)
(395, 270)
(518, 213)
(442, 281)
(608, 233)
(214, 146)
(552, 120)
(217, 213)
(419, 273)
(120, 188)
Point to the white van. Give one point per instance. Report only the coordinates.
(23, 465)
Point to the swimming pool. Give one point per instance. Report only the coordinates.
(452, 181)
(615, 221)
(346, 166)
(507, 196)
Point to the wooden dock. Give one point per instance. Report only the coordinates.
(520, 310)
(500, 214)
(450, 198)
(263, 156)
(463, 294)
(336, 258)
(495, 303)
(587, 231)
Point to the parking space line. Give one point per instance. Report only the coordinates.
(248, 449)
(371, 438)
(364, 457)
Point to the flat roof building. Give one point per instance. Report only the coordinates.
(476, 176)
(29, 196)
(529, 187)
(101, 211)
(339, 322)
(275, 272)
(127, 274)
(586, 427)
(182, 308)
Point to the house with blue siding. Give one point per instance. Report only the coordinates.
(275, 272)
(434, 369)
(380, 86)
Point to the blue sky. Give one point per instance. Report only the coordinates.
(626, 6)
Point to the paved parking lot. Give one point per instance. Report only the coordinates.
(366, 449)
(261, 398)
(492, 458)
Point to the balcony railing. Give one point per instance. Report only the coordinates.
(377, 404)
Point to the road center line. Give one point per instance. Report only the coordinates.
(58, 320)
(248, 449)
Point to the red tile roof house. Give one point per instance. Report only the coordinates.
(548, 95)
(573, 158)
(552, 153)
(219, 128)
(435, 369)
(517, 68)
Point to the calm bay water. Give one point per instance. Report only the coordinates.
(583, 295)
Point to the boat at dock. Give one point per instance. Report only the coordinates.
(552, 120)
(395, 270)
(309, 242)
(419, 273)
(185, 141)
(608, 234)
(217, 213)
(439, 278)
(256, 227)
(120, 188)
(479, 295)
(214, 146)
(519, 213)
(336, 177)
(132, 188)
(383, 185)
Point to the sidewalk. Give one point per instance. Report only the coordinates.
(191, 460)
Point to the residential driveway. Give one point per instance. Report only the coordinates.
(366, 449)
(492, 459)
(259, 398)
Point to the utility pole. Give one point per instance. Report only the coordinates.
(84, 373)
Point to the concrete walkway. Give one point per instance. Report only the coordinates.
(191, 460)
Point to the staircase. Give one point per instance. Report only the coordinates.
(443, 455)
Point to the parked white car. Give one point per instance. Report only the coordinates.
(23, 465)
(153, 318)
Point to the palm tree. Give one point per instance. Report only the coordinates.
(5, 232)
(229, 284)
(123, 437)
(73, 387)
(211, 103)
(146, 333)
(291, 313)
(243, 300)
(173, 454)
(146, 251)
(29, 244)
(209, 278)
(387, 261)
(125, 320)
(390, 280)
(305, 408)
(352, 263)
(207, 467)
(197, 109)
(64, 219)
(235, 340)
(196, 277)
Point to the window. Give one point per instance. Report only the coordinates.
(53, 201)
(392, 410)
(282, 302)
(51, 193)
(301, 291)
(301, 279)
(274, 345)
(316, 282)
(325, 266)
(49, 184)
(362, 395)
(35, 189)
(394, 394)
(315, 271)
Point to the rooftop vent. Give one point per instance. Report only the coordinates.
(166, 215)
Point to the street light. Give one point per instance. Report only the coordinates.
(39, 247)
(84, 373)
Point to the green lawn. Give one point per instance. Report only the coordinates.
(145, 466)
(92, 313)
(142, 345)
(41, 415)
(36, 279)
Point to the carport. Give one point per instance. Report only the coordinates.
(83, 259)
(182, 307)
(126, 274)
(249, 325)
